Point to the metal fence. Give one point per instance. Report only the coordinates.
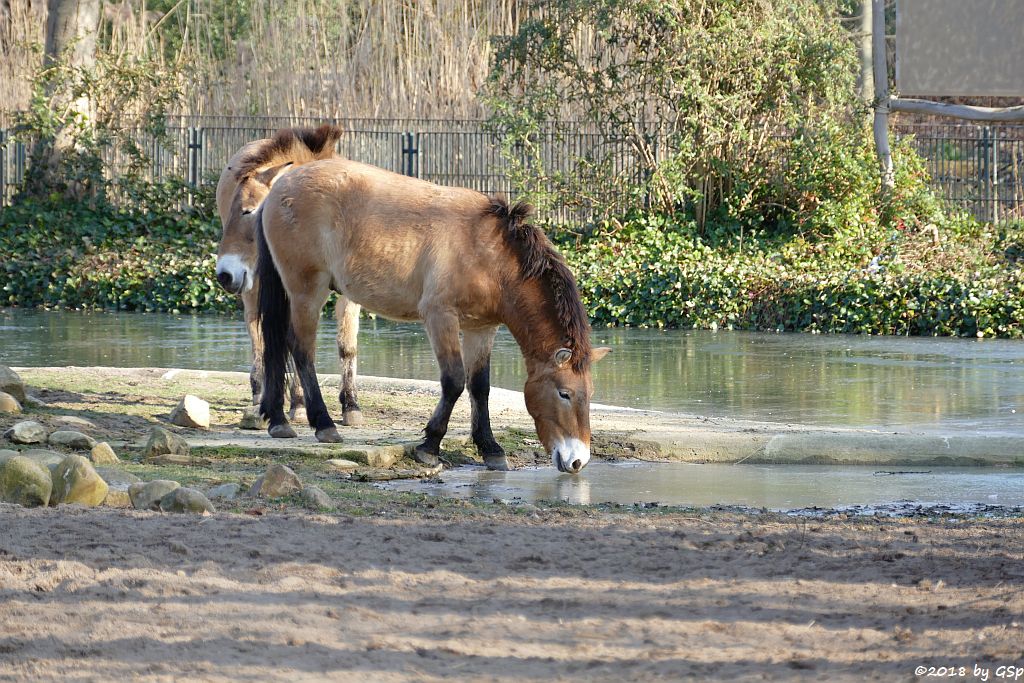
(975, 168)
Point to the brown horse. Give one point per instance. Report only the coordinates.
(451, 257)
(238, 197)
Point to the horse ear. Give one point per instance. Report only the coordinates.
(268, 176)
(599, 353)
(562, 356)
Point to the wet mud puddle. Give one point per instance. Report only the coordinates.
(801, 489)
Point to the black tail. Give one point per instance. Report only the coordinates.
(273, 317)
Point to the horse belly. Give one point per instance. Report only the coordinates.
(382, 293)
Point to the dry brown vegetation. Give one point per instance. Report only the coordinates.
(368, 58)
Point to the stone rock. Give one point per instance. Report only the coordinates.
(251, 419)
(184, 499)
(75, 421)
(48, 459)
(341, 464)
(103, 454)
(117, 479)
(11, 384)
(67, 438)
(28, 431)
(391, 474)
(376, 456)
(314, 498)
(226, 492)
(162, 442)
(191, 411)
(117, 499)
(6, 454)
(33, 402)
(24, 482)
(9, 404)
(147, 496)
(276, 482)
(75, 481)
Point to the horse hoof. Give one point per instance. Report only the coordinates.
(496, 462)
(424, 458)
(297, 414)
(490, 449)
(282, 432)
(328, 435)
(352, 418)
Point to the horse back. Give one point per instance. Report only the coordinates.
(391, 243)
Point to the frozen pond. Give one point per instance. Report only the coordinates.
(776, 487)
(946, 385)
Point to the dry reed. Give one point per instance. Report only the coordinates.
(309, 58)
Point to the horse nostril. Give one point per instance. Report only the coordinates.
(576, 465)
(225, 279)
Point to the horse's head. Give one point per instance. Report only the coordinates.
(245, 183)
(238, 198)
(558, 395)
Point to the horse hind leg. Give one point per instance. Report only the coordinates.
(347, 315)
(443, 331)
(476, 354)
(297, 401)
(305, 314)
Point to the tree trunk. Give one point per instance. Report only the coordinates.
(71, 31)
(71, 27)
(867, 76)
(881, 127)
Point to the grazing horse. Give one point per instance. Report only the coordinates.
(238, 197)
(450, 257)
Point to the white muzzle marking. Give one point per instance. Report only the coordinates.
(240, 275)
(570, 455)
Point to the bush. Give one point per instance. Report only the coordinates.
(650, 271)
(148, 255)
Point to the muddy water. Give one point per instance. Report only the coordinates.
(947, 385)
(776, 487)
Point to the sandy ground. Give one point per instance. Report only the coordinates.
(485, 594)
(399, 587)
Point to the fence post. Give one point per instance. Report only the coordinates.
(195, 144)
(410, 154)
(995, 176)
(3, 167)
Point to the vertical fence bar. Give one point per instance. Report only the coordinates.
(410, 154)
(3, 167)
(995, 176)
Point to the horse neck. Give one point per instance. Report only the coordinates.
(530, 317)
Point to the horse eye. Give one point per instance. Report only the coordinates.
(564, 394)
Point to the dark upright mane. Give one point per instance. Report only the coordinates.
(538, 258)
(291, 144)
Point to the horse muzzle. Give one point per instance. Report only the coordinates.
(570, 455)
(233, 275)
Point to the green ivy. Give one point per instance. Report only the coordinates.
(146, 254)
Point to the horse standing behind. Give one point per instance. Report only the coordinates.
(238, 197)
(451, 257)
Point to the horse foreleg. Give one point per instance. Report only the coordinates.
(443, 331)
(476, 353)
(347, 315)
(256, 373)
(305, 314)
